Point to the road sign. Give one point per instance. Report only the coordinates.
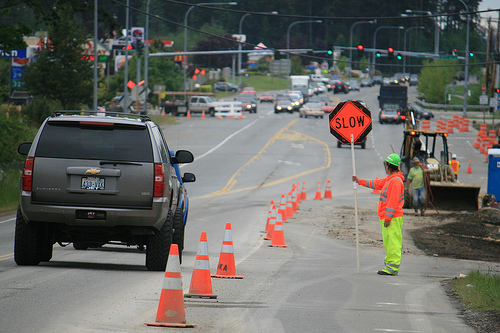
(350, 118)
(483, 88)
(483, 99)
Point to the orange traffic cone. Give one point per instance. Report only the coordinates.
(303, 195)
(278, 236)
(282, 209)
(228, 116)
(227, 266)
(328, 190)
(201, 282)
(289, 206)
(469, 169)
(203, 114)
(241, 115)
(269, 215)
(318, 192)
(163, 112)
(171, 312)
(299, 193)
(272, 222)
(188, 114)
(294, 201)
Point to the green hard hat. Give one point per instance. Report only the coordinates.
(393, 159)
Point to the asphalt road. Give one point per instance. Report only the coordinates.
(313, 285)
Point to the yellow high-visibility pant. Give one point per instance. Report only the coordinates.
(393, 244)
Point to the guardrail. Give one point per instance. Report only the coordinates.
(452, 106)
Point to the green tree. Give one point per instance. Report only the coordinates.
(11, 34)
(433, 80)
(59, 72)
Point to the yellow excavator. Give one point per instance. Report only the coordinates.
(431, 147)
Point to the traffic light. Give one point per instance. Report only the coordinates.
(497, 90)
(277, 55)
(378, 54)
(361, 49)
(329, 51)
(398, 56)
(390, 51)
(471, 54)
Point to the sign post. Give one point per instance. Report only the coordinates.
(350, 122)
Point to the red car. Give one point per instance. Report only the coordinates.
(266, 97)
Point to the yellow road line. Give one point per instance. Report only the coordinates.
(7, 256)
(228, 189)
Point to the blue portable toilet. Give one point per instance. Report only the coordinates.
(494, 172)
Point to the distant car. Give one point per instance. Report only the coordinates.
(389, 116)
(362, 144)
(249, 89)
(266, 97)
(226, 86)
(327, 107)
(247, 104)
(338, 86)
(414, 80)
(394, 80)
(377, 79)
(354, 85)
(386, 81)
(312, 109)
(420, 112)
(283, 105)
(366, 83)
(297, 100)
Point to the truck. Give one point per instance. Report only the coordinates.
(301, 83)
(393, 94)
(194, 103)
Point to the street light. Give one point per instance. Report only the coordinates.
(186, 29)
(406, 33)
(436, 29)
(352, 29)
(288, 33)
(375, 40)
(466, 78)
(240, 43)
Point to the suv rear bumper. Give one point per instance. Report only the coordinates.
(95, 216)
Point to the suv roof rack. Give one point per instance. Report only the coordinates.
(143, 118)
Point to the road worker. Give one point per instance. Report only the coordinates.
(455, 165)
(390, 211)
(418, 191)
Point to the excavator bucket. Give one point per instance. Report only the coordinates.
(453, 196)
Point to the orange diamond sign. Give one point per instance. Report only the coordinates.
(350, 118)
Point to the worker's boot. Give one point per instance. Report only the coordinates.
(416, 211)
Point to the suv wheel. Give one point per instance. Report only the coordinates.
(178, 236)
(159, 246)
(211, 112)
(27, 241)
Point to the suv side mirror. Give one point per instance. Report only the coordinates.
(188, 177)
(183, 156)
(24, 148)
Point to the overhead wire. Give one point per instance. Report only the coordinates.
(292, 16)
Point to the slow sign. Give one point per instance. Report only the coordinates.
(350, 118)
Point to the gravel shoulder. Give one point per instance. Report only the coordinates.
(458, 235)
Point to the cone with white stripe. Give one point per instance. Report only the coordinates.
(269, 216)
(328, 190)
(282, 208)
(318, 192)
(303, 194)
(278, 236)
(289, 206)
(272, 221)
(201, 281)
(171, 312)
(227, 266)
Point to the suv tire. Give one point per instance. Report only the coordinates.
(178, 236)
(27, 241)
(158, 246)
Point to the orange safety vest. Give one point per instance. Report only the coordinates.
(455, 165)
(391, 200)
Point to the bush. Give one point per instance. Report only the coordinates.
(206, 88)
(40, 108)
(13, 131)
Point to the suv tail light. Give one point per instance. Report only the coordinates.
(28, 174)
(159, 183)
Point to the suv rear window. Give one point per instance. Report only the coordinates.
(75, 141)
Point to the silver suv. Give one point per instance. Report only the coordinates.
(92, 180)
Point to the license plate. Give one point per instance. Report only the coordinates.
(92, 183)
